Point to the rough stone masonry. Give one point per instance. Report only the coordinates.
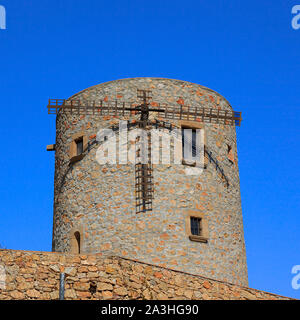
(94, 205)
(35, 276)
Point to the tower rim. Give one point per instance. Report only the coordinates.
(150, 78)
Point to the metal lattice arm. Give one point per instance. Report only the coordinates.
(168, 112)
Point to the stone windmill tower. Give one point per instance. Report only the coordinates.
(155, 213)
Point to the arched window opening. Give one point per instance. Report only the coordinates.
(77, 237)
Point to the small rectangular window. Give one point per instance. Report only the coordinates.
(189, 139)
(196, 227)
(79, 146)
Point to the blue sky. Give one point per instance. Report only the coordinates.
(245, 50)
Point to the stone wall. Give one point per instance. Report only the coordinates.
(35, 275)
(98, 201)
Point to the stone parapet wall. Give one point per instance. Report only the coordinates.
(35, 275)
